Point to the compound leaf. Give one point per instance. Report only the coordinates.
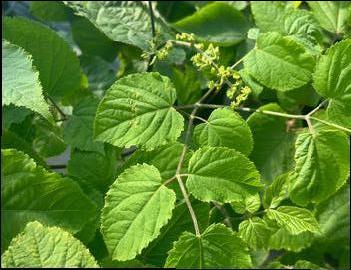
(137, 206)
(322, 166)
(41, 247)
(29, 192)
(58, 66)
(217, 247)
(137, 110)
(221, 174)
(225, 128)
(279, 62)
(20, 80)
(294, 219)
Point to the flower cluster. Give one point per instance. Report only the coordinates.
(164, 51)
(185, 37)
(244, 93)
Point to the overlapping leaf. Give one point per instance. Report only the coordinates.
(29, 192)
(225, 128)
(40, 247)
(217, 247)
(137, 110)
(255, 232)
(221, 174)
(20, 80)
(136, 207)
(294, 219)
(279, 62)
(58, 65)
(217, 22)
(322, 166)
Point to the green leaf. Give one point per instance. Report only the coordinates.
(294, 219)
(221, 174)
(58, 65)
(94, 167)
(41, 247)
(137, 110)
(268, 15)
(303, 264)
(54, 11)
(137, 206)
(225, 128)
(251, 82)
(255, 232)
(333, 16)
(299, 24)
(20, 80)
(322, 166)
(279, 62)
(78, 130)
(219, 23)
(251, 204)
(91, 41)
(29, 192)
(122, 21)
(283, 239)
(332, 79)
(13, 115)
(333, 216)
(156, 252)
(277, 191)
(273, 142)
(48, 140)
(217, 247)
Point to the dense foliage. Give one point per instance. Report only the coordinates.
(197, 134)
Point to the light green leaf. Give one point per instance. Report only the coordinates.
(42, 247)
(277, 191)
(96, 168)
(332, 79)
(58, 66)
(251, 204)
(294, 219)
(137, 110)
(333, 216)
(279, 62)
(273, 143)
(303, 264)
(221, 174)
(78, 130)
(29, 192)
(322, 166)
(217, 247)
(255, 232)
(251, 82)
(268, 15)
(225, 128)
(156, 252)
(137, 206)
(219, 23)
(283, 239)
(20, 80)
(123, 21)
(332, 15)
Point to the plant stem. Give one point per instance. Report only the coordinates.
(331, 124)
(58, 166)
(64, 117)
(153, 31)
(224, 213)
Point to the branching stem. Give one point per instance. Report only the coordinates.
(64, 117)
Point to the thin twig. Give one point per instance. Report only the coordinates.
(64, 117)
(317, 108)
(153, 31)
(331, 124)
